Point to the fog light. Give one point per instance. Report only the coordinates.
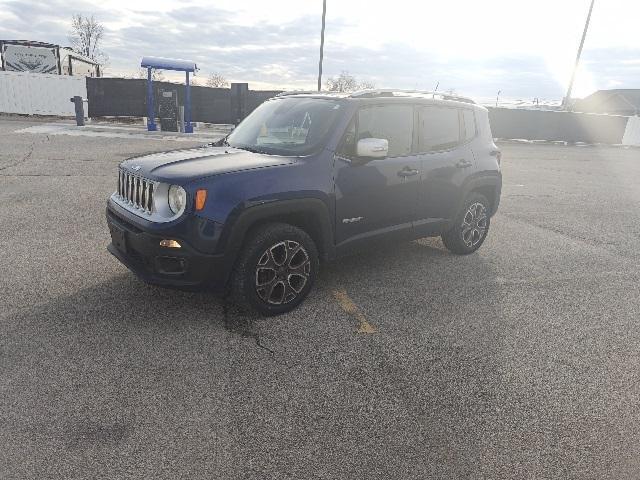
(170, 244)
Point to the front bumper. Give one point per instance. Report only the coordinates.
(140, 251)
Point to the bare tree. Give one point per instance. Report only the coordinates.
(217, 81)
(85, 36)
(346, 82)
(366, 85)
(342, 83)
(156, 75)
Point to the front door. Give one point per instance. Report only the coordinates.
(377, 196)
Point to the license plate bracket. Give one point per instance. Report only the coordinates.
(118, 238)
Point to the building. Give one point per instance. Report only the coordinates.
(39, 57)
(616, 102)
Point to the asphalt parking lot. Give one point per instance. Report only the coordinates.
(519, 361)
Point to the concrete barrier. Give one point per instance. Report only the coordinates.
(514, 123)
(39, 93)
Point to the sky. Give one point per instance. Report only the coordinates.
(524, 48)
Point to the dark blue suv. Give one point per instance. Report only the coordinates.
(307, 177)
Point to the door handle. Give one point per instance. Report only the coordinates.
(462, 163)
(408, 172)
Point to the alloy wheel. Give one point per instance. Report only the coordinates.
(282, 272)
(474, 224)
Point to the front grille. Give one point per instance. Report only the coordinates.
(136, 191)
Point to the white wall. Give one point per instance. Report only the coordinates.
(40, 93)
(632, 132)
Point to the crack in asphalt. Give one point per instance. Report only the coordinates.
(27, 156)
(23, 159)
(242, 326)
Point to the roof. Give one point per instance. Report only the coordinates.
(384, 93)
(168, 64)
(619, 101)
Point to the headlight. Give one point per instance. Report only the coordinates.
(177, 199)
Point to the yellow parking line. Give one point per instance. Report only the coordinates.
(352, 309)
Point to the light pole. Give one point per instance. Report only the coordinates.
(324, 14)
(567, 99)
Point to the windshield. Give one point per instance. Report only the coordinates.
(287, 126)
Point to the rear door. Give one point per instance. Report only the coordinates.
(446, 161)
(377, 196)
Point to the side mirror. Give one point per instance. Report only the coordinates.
(372, 148)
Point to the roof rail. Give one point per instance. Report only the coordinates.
(295, 92)
(392, 92)
(311, 92)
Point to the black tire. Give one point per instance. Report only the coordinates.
(469, 230)
(275, 270)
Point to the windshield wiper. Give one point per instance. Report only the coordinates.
(252, 149)
(219, 143)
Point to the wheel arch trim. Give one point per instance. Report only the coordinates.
(492, 179)
(245, 217)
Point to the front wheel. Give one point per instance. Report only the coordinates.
(276, 269)
(470, 227)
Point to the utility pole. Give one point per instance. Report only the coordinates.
(324, 14)
(567, 99)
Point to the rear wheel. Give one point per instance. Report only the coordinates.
(276, 269)
(471, 226)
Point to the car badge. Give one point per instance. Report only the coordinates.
(136, 168)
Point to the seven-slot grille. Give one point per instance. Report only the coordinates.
(137, 191)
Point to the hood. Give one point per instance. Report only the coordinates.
(183, 166)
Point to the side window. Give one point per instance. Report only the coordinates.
(439, 128)
(392, 122)
(469, 121)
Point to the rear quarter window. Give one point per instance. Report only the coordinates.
(482, 125)
(469, 124)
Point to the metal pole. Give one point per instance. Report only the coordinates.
(151, 121)
(324, 14)
(567, 98)
(79, 108)
(188, 128)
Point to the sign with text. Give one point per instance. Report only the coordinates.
(21, 58)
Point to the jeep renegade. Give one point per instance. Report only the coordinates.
(307, 177)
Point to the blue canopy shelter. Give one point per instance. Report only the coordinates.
(168, 64)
